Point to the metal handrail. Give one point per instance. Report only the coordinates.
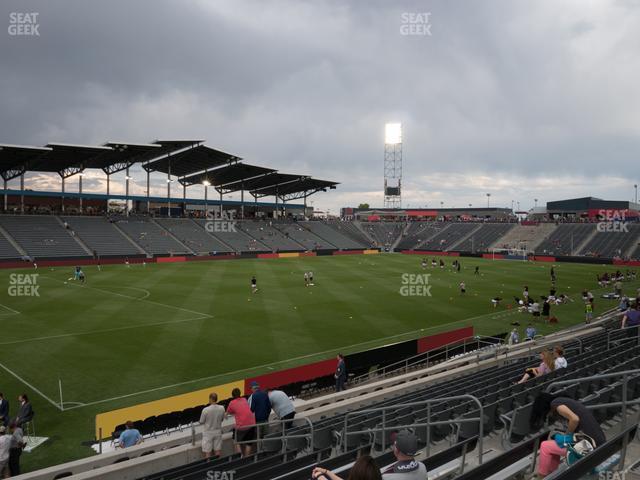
(423, 357)
(625, 329)
(428, 423)
(283, 430)
(626, 375)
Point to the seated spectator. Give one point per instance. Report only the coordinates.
(514, 337)
(559, 360)
(365, 468)
(547, 365)
(245, 429)
(130, 437)
(579, 418)
(407, 467)
(530, 332)
(5, 445)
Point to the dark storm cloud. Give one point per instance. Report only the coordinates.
(521, 99)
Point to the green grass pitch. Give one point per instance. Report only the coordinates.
(136, 334)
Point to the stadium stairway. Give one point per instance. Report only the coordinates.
(464, 237)
(42, 236)
(525, 236)
(100, 235)
(9, 248)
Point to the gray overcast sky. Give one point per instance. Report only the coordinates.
(522, 99)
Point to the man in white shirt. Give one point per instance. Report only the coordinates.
(211, 419)
(5, 445)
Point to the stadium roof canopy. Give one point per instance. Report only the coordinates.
(190, 160)
(254, 184)
(302, 187)
(124, 155)
(66, 159)
(236, 172)
(15, 158)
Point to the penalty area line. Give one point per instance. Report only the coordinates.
(140, 299)
(22, 380)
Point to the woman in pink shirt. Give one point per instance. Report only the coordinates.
(245, 430)
(547, 365)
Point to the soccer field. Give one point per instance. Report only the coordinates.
(133, 334)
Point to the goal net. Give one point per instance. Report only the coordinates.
(509, 254)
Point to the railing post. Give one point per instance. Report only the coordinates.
(428, 429)
(624, 401)
(345, 433)
(384, 431)
(100, 440)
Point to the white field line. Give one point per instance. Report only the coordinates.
(274, 364)
(11, 311)
(19, 378)
(106, 330)
(141, 299)
(502, 314)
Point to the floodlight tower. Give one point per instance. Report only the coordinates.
(392, 165)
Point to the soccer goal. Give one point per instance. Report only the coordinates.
(509, 254)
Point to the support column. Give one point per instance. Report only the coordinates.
(277, 213)
(62, 195)
(22, 193)
(242, 202)
(206, 201)
(184, 199)
(169, 190)
(220, 203)
(304, 213)
(80, 191)
(126, 192)
(255, 211)
(148, 201)
(6, 198)
(108, 184)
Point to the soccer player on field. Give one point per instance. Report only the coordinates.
(306, 279)
(311, 278)
(254, 284)
(477, 271)
(463, 288)
(80, 275)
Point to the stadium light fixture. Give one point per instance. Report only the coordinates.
(206, 183)
(393, 133)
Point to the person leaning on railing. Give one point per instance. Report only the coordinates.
(631, 318)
